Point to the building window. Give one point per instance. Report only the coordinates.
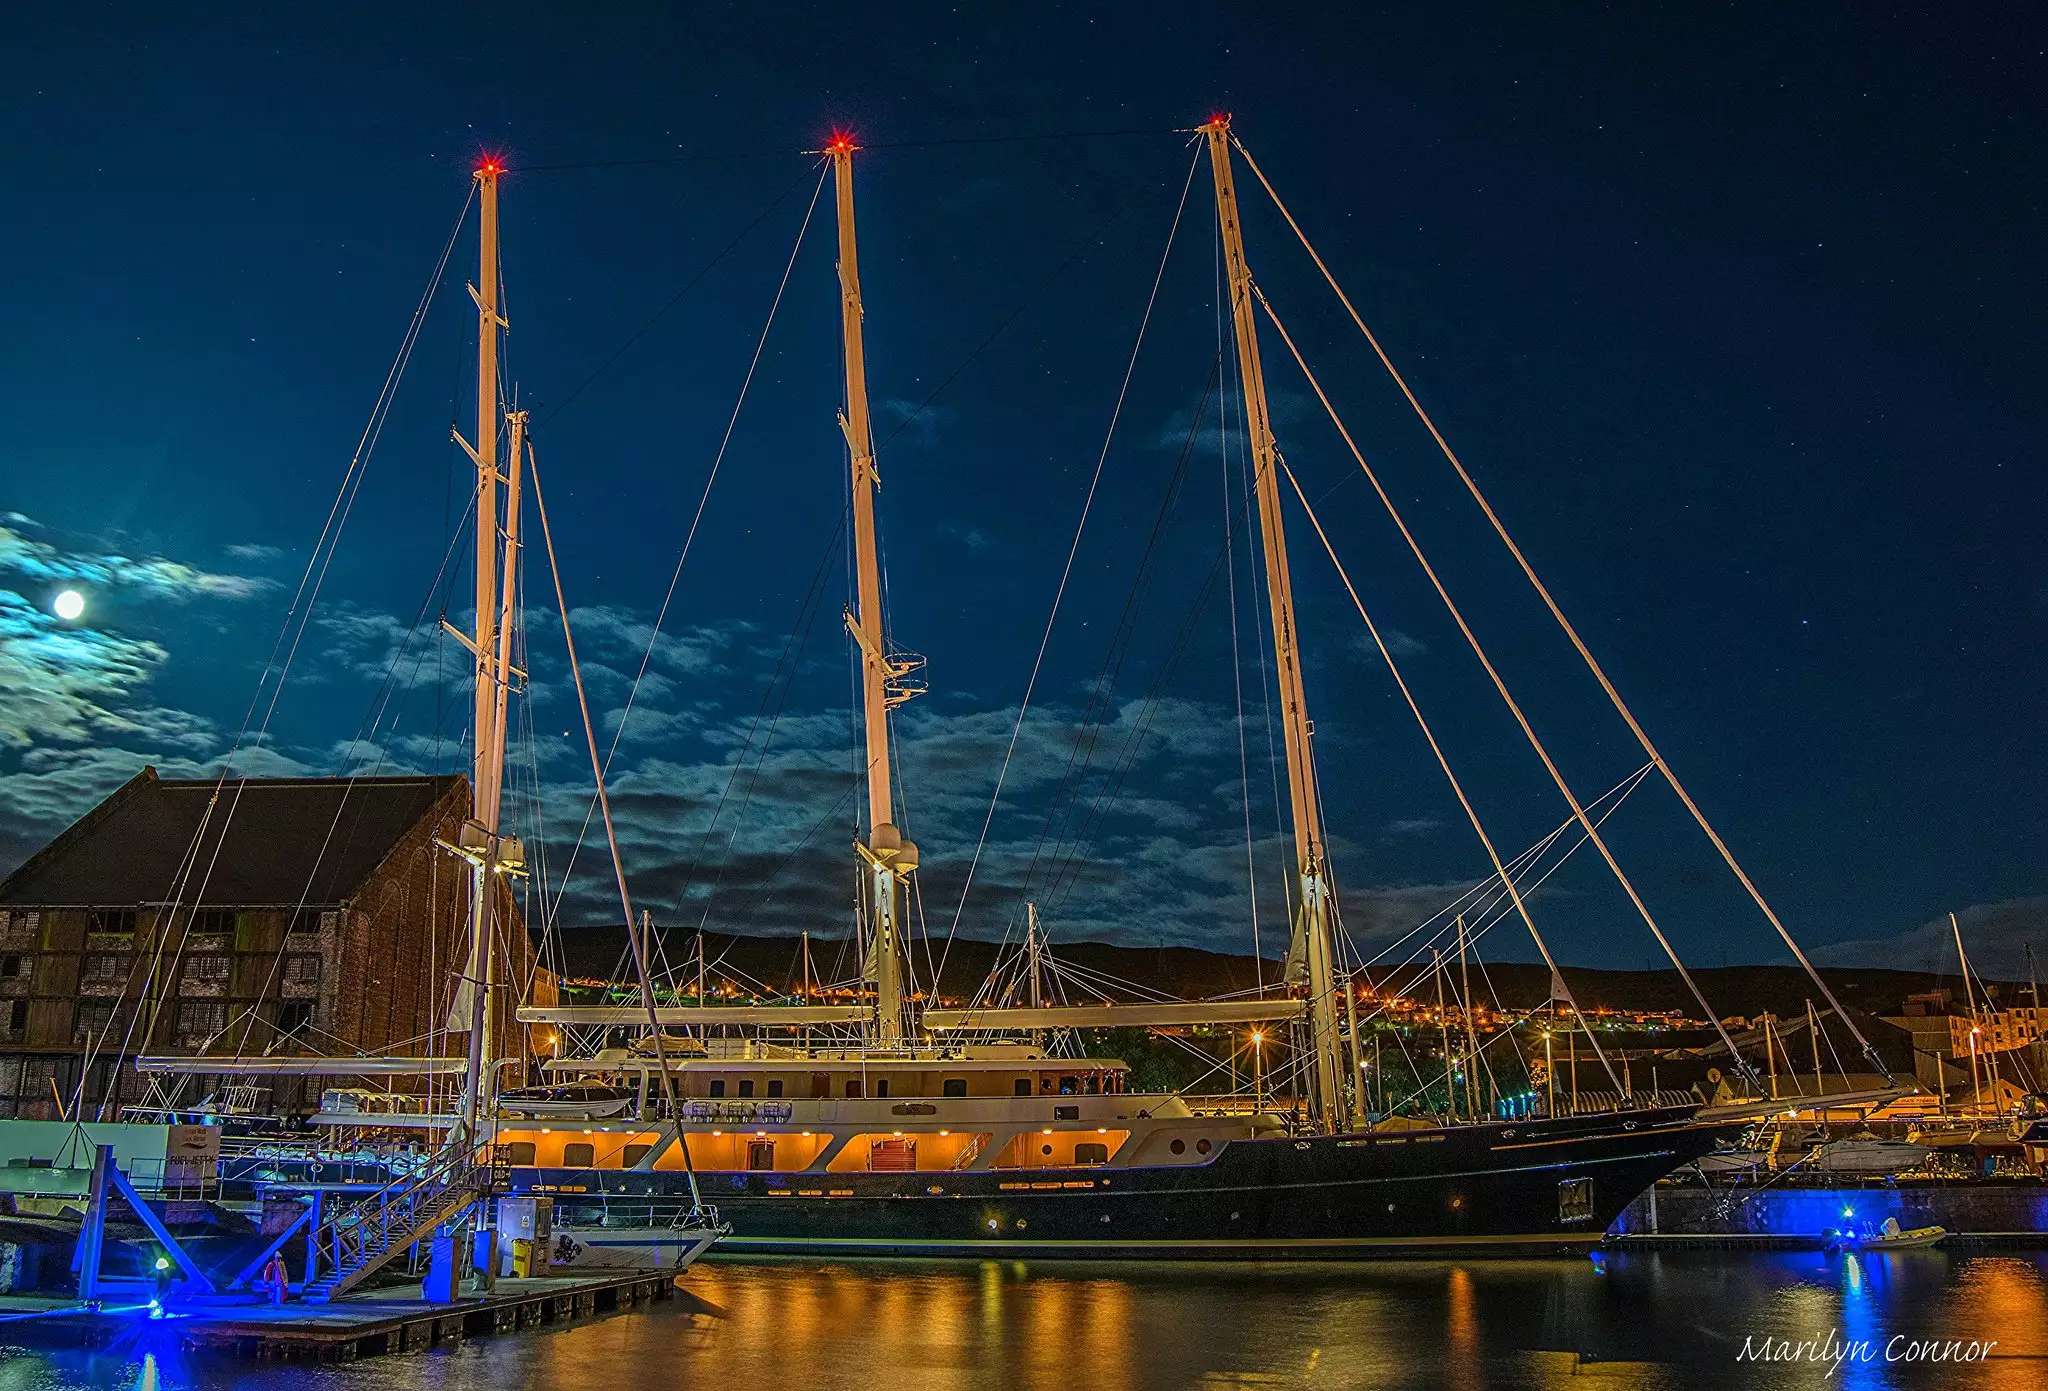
(580, 1154)
(210, 968)
(199, 1020)
(746, 1086)
(718, 1086)
(104, 969)
(16, 1018)
(956, 1086)
(120, 920)
(293, 1015)
(775, 1086)
(213, 920)
(13, 966)
(91, 1018)
(302, 970)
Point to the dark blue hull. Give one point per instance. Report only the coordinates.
(1528, 1186)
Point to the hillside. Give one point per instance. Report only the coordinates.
(1186, 972)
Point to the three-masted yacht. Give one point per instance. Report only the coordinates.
(936, 1131)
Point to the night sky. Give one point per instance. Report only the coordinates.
(1735, 313)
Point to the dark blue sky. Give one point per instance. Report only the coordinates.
(1735, 313)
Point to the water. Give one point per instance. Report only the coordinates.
(1670, 1320)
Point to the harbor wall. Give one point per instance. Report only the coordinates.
(1989, 1209)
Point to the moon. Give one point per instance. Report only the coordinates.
(69, 605)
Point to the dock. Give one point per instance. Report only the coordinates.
(356, 1325)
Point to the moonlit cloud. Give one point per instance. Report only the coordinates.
(168, 579)
(77, 713)
(66, 684)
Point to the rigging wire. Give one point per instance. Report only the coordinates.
(305, 598)
(1443, 762)
(1244, 775)
(668, 1086)
(676, 298)
(1096, 714)
(706, 157)
(696, 518)
(1499, 684)
(1585, 653)
(1066, 572)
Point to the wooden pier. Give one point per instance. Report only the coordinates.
(359, 1325)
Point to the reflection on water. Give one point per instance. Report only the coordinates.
(1676, 1320)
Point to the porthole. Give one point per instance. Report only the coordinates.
(1202, 1146)
(1179, 1146)
(1045, 1149)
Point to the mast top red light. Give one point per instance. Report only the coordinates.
(841, 143)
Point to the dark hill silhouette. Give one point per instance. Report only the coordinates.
(1188, 972)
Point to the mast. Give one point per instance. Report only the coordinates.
(1471, 1032)
(490, 647)
(1309, 956)
(1443, 1025)
(888, 855)
(1813, 1022)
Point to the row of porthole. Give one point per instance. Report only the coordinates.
(1181, 1146)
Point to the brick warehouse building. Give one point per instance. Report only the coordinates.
(329, 922)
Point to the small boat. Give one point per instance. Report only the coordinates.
(1889, 1237)
(1866, 1154)
(576, 1102)
(1733, 1161)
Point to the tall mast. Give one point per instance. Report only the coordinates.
(1309, 955)
(888, 856)
(490, 646)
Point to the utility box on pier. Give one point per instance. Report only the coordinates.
(525, 1219)
(445, 1268)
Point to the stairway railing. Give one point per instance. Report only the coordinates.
(363, 1237)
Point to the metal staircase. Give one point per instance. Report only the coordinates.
(362, 1238)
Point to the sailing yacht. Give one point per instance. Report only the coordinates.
(928, 1131)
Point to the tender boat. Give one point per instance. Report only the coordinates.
(581, 1102)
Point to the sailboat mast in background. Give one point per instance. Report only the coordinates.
(1310, 952)
(488, 853)
(888, 855)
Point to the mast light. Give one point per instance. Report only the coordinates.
(841, 143)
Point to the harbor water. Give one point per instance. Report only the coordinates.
(1653, 1320)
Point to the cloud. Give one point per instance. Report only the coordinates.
(1284, 408)
(63, 682)
(1995, 935)
(76, 720)
(1413, 825)
(895, 415)
(254, 550)
(1401, 645)
(167, 579)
